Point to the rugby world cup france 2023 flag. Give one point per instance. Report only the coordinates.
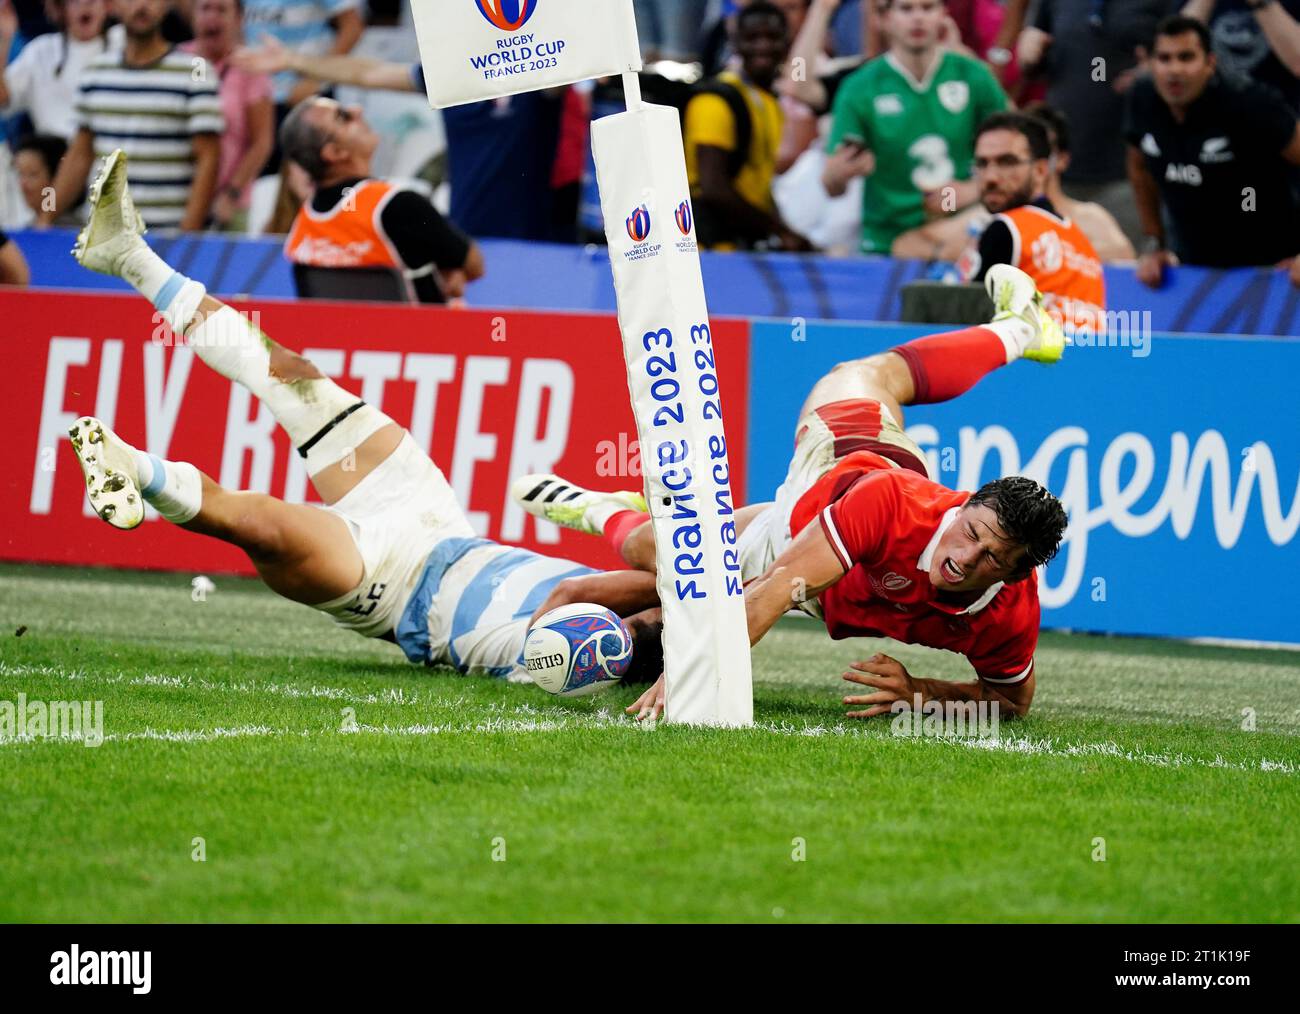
(672, 373)
(482, 49)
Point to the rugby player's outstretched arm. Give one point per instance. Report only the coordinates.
(890, 682)
(804, 570)
(626, 592)
(807, 567)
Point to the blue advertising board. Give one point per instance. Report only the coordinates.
(524, 276)
(1179, 464)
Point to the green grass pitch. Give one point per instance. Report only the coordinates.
(469, 799)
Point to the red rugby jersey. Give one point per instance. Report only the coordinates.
(884, 524)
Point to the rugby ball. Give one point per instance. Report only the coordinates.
(577, 649)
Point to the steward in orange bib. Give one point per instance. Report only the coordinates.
(354, 221)
(1012, 165)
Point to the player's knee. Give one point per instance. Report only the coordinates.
(256, 530)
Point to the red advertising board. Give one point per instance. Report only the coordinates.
(491, 395)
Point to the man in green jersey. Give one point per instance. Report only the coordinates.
(906, 121)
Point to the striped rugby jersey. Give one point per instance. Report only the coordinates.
(152, 113)
(471, 606)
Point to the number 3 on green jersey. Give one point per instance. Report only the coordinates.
(922, 134)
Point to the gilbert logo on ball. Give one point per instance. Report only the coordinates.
(638, 225)
(577, 650)
(507, 15)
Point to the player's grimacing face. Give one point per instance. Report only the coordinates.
(974, 553)
(914, 24)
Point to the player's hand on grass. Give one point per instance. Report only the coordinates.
(887, 677)
(650, 704)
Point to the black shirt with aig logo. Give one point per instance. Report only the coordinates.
(1221, 173)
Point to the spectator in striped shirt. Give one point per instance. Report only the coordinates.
(162, 108)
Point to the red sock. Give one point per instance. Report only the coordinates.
(620, 526)
(946, 365)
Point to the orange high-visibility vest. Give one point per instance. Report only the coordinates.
(1061, 260)
(349, 235)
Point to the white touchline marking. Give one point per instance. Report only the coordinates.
(604, 719)
(391, 695)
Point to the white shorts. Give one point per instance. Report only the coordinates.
(396, 515)
(824, 436)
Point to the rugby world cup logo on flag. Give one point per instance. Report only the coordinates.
(683, 217)
(638, 225)
(507, 15)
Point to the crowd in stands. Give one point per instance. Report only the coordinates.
(1055, 134)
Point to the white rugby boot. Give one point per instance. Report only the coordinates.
(109, 466)
(115, 227)
(1016, 297)
(562, 503)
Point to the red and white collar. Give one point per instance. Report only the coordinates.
(926, 559)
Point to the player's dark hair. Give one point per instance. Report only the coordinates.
(1177, 24)
(1057, 123)
(760, 9)
(1029, 514)
(1033, 130)
(647, 653)
(302, 141)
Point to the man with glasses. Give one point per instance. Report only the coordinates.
(356, 221)
(1012, 166)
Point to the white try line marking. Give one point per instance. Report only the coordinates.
(390, 695)
(604, 719)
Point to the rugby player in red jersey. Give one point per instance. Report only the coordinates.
(861, 537)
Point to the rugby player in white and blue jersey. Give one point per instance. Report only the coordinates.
(391, 554)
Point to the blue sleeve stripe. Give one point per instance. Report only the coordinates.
(412, 632)
(543, 588)
(478, 593)
(168, 292)
(159, 479)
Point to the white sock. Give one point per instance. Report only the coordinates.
(174, 488)
(176, 297)
(1018, 336)
(304, 408)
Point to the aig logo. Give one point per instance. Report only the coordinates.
(507, 15)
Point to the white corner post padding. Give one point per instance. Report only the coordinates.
(673, 369)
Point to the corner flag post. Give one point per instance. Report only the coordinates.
(478, 49)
